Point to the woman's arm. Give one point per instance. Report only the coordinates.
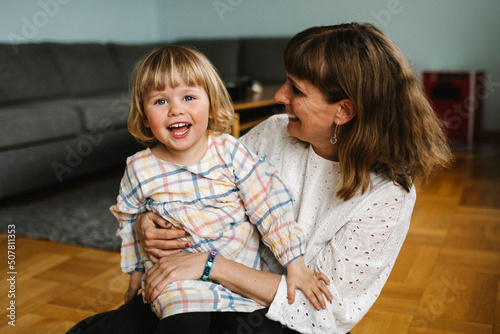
(258, 285)
(254, 284)
(156, 234)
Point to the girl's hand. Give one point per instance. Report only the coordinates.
(313, 285)
(173, 268)
(156, 236)
(134, 285)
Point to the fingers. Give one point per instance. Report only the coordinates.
(323, 286)
(314, 288)
(291, 293)
(163, 239)
(157, 279)
(320, 291)
(133, 286)
(158, 220)
(323, 277)
(171, 233)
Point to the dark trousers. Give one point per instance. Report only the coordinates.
(137, 317)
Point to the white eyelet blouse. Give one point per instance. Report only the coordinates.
(355, 242)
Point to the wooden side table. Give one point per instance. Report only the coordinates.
(254, 108)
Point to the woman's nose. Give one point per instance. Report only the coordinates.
(281, 95)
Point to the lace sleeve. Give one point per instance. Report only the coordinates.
(358, 261)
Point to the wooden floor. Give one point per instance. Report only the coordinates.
(446, 279)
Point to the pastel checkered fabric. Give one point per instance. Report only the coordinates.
(221, 201)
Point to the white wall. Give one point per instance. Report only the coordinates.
(79, 20)
(434, 34)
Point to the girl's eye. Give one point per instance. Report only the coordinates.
(188, 98)
(161, 102)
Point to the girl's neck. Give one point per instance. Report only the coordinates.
(186, 157)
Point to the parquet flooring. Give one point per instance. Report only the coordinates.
(446, 278)
(445, 281)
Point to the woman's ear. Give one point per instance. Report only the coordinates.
(145, 122)
(346, 112)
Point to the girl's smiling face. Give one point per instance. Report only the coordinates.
(178, 118)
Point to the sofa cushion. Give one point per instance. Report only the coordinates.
(28, 72)
(24, 169)
(223, 53)
(87, 68)
(262, 59)
(126, 56)
(104, 113)
(29, 124)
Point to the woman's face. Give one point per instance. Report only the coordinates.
(310, 117)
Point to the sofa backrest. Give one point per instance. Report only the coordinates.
(127, 55)
(33, 72)
(87, 68)
(223, 53)
(29, 72)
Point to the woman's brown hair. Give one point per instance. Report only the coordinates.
(194, 69)
(395, 131)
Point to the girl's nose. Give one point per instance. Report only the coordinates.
(176, 110)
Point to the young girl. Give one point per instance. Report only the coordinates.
(205, 181)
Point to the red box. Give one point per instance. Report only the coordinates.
(456, 97)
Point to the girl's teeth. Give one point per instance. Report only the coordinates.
(179, 125)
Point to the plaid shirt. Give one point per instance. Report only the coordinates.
(221, 201)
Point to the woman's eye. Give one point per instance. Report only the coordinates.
(161, 102)
(296, 91)
(188, 98)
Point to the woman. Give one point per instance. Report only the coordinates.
(358, 133)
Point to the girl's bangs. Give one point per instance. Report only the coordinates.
(176, 68)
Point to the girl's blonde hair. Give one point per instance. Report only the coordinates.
(395, 131)
(194, 69)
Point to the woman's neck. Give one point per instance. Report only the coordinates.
(328, 151)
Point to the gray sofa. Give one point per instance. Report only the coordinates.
(64, 107)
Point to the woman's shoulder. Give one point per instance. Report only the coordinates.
(384, 188)
(275, 123)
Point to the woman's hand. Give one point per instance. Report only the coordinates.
(173, 268)
(157, 236)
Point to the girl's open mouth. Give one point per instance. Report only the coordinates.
(179, 130)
